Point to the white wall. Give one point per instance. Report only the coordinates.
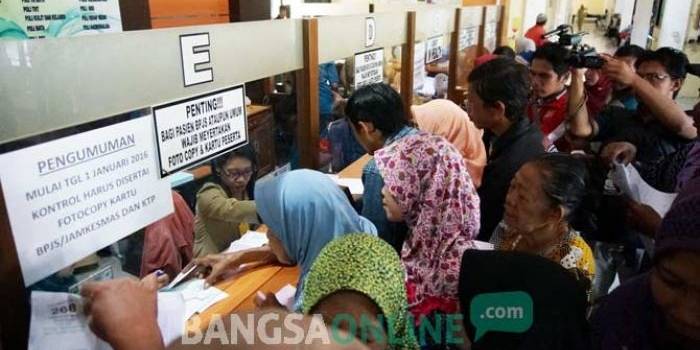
(531, 10)
(642, 22)
(625, 8)
(674, 23)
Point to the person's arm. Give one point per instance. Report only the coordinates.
(124, 312)
(664, 109)
(372, 207)
(215, 266)
(213, 203)
(580, 123)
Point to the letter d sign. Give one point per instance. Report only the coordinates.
(194, 49)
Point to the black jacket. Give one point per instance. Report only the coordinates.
(521, 143)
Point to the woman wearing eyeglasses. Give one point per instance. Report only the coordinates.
(225, 206)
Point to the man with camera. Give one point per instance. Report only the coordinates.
(548, 109)
(658, 127)
(654, 131)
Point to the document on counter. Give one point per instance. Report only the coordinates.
(285, 296)
(58, 321)
(197, 298)
(353, 184)
(252, 239)
(628, 180)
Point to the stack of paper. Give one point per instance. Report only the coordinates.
(196, 297)
(627, 178)
(285, 296)
(252, 239)
(353, 184)
(58, 321)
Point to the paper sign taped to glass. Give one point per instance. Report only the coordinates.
(71, 196)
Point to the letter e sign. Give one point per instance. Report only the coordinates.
(370, 31)
(194, 49)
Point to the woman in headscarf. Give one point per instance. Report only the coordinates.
(445, 118)
(661, 308)
(559, 301)
(427, 186)
(543, 206)
(303, 210)
(361, 275)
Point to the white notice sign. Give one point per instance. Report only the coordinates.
(69, 197)
(418, 65)
(369, 67)
(468, 37)
(198, 128)
(433, 50)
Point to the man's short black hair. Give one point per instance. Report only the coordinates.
(630, 50)
(675, 62)
(505, 51)
(379, 104)
(502, 80)
(556, 55)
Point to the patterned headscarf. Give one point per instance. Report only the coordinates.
(429, 180)
(368, 265)
(305, 218)
(680, 227)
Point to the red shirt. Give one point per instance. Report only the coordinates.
(549, 114)
(598, 95)
(535, 33)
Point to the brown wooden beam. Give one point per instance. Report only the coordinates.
(407, 54)
(14, 318)
(308, 117)
(136, 14)
(452, 92)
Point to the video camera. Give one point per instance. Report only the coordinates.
(581, 55)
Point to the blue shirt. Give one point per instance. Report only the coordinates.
(327, 77)
(373, 182)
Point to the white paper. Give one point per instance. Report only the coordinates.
(72, 196)
(369, 68)
(197, 298)
(353, 184)
(434, 48)
(285, 296)
(171, 316)
(627, 178)
(58, 321)
(195, 129)
(419, 73)
(180, 276)
(481, 245)
(252, 239)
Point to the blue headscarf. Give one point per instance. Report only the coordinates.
(305, 209)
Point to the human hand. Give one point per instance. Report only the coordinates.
(123, 312)
(618, 70)
(621, 152)
(643, 218)
(214, 266)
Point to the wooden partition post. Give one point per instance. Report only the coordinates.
(407, 55)
(503, 23)
(14, 319)
(452, 92)
(482, 33)
(307, 98)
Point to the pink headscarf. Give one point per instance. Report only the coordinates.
(429, 180)
(445, 118)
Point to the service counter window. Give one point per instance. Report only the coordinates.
(431, 69)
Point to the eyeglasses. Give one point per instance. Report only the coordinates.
(654, 77)
(237, 174)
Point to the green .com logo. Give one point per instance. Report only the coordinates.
(503, 312)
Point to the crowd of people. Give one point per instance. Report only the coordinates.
(524, 167)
